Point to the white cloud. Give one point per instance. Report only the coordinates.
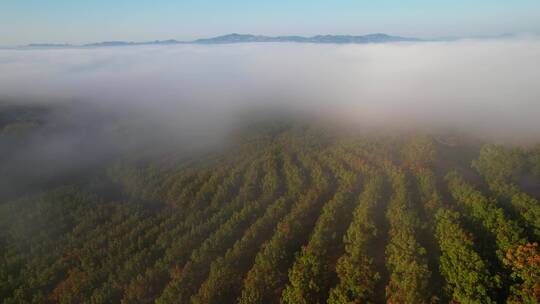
(482, 85)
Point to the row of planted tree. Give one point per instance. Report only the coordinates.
(297, 217)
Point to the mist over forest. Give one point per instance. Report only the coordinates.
(487, 86)
(271, 173)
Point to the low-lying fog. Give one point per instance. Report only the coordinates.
(491, 87)
(193, 94)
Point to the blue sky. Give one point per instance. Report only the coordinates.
(78, 21)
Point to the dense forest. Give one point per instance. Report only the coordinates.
(289, 212)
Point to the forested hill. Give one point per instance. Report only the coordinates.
(293, 214)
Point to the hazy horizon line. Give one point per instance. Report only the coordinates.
(102, 43)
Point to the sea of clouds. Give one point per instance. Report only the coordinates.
(491, 87)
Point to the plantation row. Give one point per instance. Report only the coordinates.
(290, 217)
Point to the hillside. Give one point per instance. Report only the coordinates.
(292, 212)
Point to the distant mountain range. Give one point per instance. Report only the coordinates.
(371, 38)
(246, 38)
